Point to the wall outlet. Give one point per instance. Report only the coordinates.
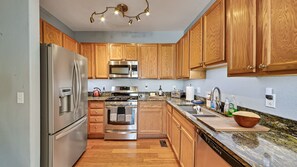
(146, 86)
(173, 87)
(270, 102)
(198, 90)
(103, 88)
(20, 97)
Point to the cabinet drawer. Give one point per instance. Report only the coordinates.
(96, 104)
(96, 119)
(96, 127)
(151, 104)
(96, 112)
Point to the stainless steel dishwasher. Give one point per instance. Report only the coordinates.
(210, 154)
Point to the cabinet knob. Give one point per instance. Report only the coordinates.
(262, 66)
(250, 67)
(201, 64)
(95, 127)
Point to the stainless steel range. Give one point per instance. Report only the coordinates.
(121, 114)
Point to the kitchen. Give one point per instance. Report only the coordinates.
(251, 58)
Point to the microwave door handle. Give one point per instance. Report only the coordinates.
(130, 70)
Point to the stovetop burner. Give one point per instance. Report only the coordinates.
(122, 98)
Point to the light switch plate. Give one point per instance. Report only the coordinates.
(20, 97)
(198, 90)
(271, 103)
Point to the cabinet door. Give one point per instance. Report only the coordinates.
(148, 61)
(241, 36)
(167, 57)
(70, 43)
(214, 34)
(150, 121)
(186, 56)
(175, 137)
(52, 34)
(130, 51)
(116, 51)
(87, 50)
(196, 56)
(41, 30)
(277, 34)
(169, 120)
(101, 61)
(179, 59)
(187, 149)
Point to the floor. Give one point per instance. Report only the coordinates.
(140, 153)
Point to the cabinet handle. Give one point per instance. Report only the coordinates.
(262, 66)
(95, 127)
(250, 67)
(201, 64)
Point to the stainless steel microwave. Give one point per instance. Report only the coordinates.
(123, 69)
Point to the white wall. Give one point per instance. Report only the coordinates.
(250, 91)
(130, 37)
(153, 85)
(19, 71)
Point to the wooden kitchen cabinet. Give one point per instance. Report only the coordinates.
(167, 58)
(276, 36)
(241, 36)
(148, 61)
(52, 34)
(179, 58)
(175, 137)
(116, 51)
(214, 34)
(123, 51)
(169, 121)
(87, 50)
(186, 56)
(150, 119)
(101, 61)
(187, 149)
(70, 43)
(130, 51)
(196, 47)
(95, 119)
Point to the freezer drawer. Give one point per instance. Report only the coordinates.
(67, 146)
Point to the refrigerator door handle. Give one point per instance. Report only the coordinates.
(74, 76)
(70, 128)
(80, 82)
(76, 87)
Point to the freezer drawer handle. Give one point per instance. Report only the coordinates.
(70, 129)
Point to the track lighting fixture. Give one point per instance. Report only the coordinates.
(121, 9)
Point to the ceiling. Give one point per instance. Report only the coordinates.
(166, 15)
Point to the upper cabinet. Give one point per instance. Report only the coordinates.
(277, 35)
(70, 43)
(101, 61)
(52, 34)
(148, 61)
(87, 50)
(167, 58)
(179, 58)
(214, 34)
(196, 47)
(186, 56)
(123, 51)
(130, 52)
(241, 36)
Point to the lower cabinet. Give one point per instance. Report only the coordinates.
(183, 137)
(96, 115)
(150, 119)
(168, 121)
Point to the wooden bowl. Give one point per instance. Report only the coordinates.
(246, 119)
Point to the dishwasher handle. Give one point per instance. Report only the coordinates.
(220, 151)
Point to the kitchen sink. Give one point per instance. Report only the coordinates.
(193, 112)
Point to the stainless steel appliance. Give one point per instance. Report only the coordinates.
(209, 153)
(121, 114)
(123, 69)
(178, 94)
(64, 106)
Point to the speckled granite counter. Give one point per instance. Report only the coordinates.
(101, 98)
(273, 148)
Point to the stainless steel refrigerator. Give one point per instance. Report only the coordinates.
(64, 106)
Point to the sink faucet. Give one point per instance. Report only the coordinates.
(217, 101)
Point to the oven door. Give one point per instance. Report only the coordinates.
(121, 118)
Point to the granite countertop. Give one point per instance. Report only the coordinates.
(273, 148)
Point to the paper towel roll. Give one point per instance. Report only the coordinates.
(189, 93)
